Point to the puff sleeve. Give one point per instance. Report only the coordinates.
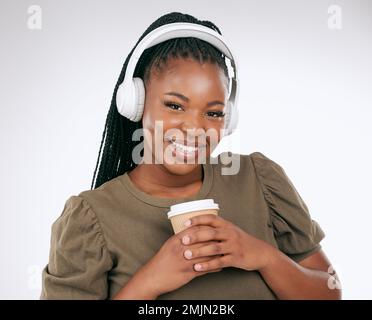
(296, 233)
(78, 259)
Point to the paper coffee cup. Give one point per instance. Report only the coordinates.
(181, 212)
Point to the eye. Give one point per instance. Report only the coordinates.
(173, 106)
(216, 114)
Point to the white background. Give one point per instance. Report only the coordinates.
(305, 102)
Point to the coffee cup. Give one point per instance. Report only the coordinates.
(181, 212)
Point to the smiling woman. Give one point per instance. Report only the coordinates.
(194, 89)
(115, 241)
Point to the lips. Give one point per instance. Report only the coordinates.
(185, 151)
(186, 144)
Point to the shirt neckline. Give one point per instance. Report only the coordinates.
(167, 202)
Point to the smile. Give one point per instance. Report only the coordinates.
(186, 149)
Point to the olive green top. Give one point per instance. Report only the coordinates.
(104, 235)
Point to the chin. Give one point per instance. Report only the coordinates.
(180, 169)
(179, 163)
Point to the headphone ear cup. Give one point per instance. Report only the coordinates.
(234, 117)
(139, 88)
(130, 98)
(227, 118)
(231, 118)
(122, 98)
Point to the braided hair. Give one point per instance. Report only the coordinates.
(117, 135)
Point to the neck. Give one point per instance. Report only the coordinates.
(155, 179)
(157, 174)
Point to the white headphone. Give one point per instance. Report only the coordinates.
(130, 97)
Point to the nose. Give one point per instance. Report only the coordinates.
(192, 121)
(193, 128)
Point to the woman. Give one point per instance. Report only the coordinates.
(115, 241)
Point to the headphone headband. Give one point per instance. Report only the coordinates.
(161, 34)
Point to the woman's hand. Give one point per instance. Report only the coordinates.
(168, 269)
(236, 247)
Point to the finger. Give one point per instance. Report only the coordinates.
(205, 233)
(206, 219)
(219, 262)
(205, 250)
(200, 273)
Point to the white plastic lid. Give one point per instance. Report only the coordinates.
(190, 206)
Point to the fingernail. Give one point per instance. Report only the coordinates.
(187, 223)
(186, 240)
(198, 267)
(188, 254)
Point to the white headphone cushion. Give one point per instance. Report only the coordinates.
(139, 103)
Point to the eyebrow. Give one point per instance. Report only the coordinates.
(186, 99)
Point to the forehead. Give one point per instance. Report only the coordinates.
(186, 74)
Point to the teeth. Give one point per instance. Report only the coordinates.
(183, 148)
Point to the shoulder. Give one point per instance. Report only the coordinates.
(75, 224)
(253, 156)
(262, 161)
(238, 163)
(255, 166)
(89, 208)
(267, 170)
(105, 195)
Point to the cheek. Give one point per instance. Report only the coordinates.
(214, 132)
(148, 119)
(156, 112)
